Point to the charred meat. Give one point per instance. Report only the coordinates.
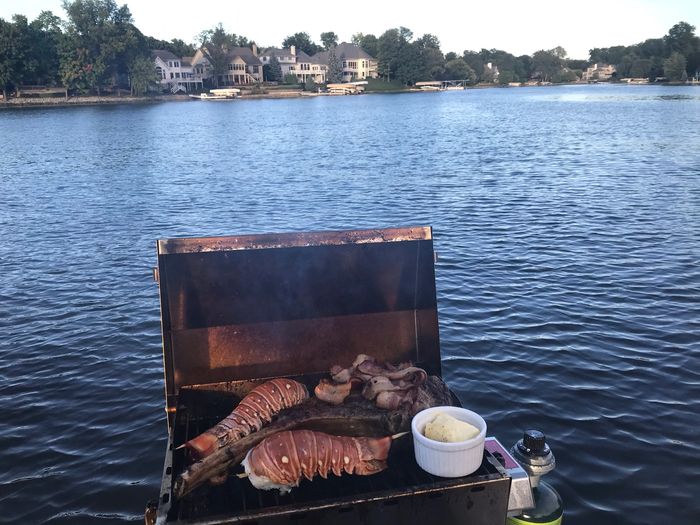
(390, 386)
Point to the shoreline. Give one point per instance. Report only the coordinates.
(82, 101)
(62, 102)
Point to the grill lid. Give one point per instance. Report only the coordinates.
(257, 306)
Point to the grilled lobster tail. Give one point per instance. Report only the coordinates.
(283, 459)
(256, 409)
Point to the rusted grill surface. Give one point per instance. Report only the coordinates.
(235, 310)
(238, 501)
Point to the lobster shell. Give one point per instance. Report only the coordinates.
(283, 459)
(256, 409)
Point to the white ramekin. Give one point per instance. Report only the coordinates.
(449, 460)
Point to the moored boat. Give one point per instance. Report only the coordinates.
(219, 94)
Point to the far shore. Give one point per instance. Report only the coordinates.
(89, 100)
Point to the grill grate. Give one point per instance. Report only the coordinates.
(238, 500)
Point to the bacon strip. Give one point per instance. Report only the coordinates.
(283, 459)
(256, 409)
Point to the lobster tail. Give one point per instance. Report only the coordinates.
(283, 459)
(256, 409)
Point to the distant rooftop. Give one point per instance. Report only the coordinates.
(164, 54)
(345, 50)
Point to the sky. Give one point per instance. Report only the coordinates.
(512, 25)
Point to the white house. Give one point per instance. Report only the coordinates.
(177, 73)
(357, 64)
(297, 63)
(287, 58)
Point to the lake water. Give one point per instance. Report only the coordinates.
(567, 222)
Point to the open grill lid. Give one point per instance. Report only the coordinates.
(259, 306)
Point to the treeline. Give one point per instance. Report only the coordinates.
(99, 48)
(675, 56)
(400, 56)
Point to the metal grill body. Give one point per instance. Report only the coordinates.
(238, 310)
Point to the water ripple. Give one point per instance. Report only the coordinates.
(567, 223)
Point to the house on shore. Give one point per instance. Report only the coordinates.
(357, 64)
(243, 67)
(189, 74)
(297, 63)
(598, 72)
(286, 57)
(177, 73)
(491, 72)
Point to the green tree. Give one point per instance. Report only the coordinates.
(329, 40)
(564, 75)
(506, 76)
(546, 64)
(12, 55)
(681, 39)
(46, 36)
(433, 61)
(693, 63)
(475, 61)
(558, 52)
(273, 71)
(608, 55)
(142, 75)
(573, 63)
(302, 42)
(650, 48)
(180, 48)
(105, 34)
(389, 46)
(640, 68)
(309, 84)
(674, 66)
(367, 42)
(335, 67)
(458, 69)
(505, 62)
(176, 46)
(524, 67)
(216, 44)
(410, 66)
(290, 78)
(76, 71)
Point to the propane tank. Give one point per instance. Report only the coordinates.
(536, 458)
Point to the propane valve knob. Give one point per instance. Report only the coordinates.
(535, 442)
(534, 455)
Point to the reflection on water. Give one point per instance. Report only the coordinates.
(568, 278)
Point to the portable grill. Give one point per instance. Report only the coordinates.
(239, 310)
